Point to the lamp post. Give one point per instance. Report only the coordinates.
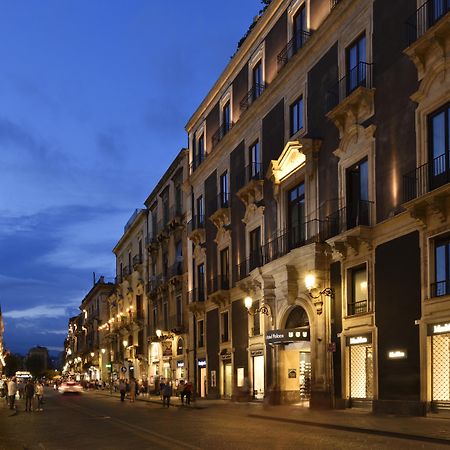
(263, 309)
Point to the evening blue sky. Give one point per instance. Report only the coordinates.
(94, 97)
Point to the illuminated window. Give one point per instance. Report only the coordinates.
(356, 64)
(358, 292)
(441, 286)
(439, 147)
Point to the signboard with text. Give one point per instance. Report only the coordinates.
(287, 336)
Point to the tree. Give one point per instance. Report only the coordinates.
(35, 365)
(13, 363)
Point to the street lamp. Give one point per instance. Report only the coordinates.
(315, 293)
(103, 350)
(263, 309)
(92, 354)
(164, 334)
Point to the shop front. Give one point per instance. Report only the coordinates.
(227, 374)
(202, 379)
(258, 380)
(360, 369)
(439, 337)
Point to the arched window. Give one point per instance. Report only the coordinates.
(297, 318)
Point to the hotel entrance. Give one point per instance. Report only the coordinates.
(294, 357)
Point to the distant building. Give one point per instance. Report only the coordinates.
(42, 353)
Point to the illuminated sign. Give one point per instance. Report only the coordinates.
(201, 363)
(397, 354)
(180, 363)
(287, 336)
(441, 328)
(359, 340)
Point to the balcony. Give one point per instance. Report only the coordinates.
(428, 34)
(355, 308)
(196, 300)
(290, 239)
(197, 161)
(151, 241)
(221, 133)
(126, 271)
(176, 274)
(243, 269)
(250, 184)
(176, 216)
(196, 229)
(137, 261)
(163, 228)
(293, 46)
(351, 99)
(219, 208)
(218, 290)
(175, 324)
(440, 288)
(252, 95)
(347, 218)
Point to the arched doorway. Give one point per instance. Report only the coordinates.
(295, 357)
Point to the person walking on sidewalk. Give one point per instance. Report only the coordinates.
(188, 392)
(132, 390)
(29, 394)
(167, 393)
(39, 395)
(12, 391)
(122, 389)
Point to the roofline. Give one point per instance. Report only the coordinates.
(98, 285)
(236, 60)
(142, 213)
(182, 153)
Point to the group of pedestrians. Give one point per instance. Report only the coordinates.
(127, 386)
(183, 389)
(27, 390)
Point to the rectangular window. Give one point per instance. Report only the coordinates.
(139, 308)
(201, 282)
(356, 64)
(225, 268)
(224, 190)
(154, 222)
(224, 321)
(299, 28)
(166, 315)
(441, 286)
(201, 333)
(296, 216)
(255, 162)
(226, 117)
(439, 151)
(358, 205)
(199, 150)
(165, 205)
(297, 116)
(179, 310)
(178, 198)
(258, 84)
(155, 318)
(358, 303)
(255, 248)
(200, 212)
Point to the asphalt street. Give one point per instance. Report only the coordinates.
(102, 422)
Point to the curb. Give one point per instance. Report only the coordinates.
(352, 429)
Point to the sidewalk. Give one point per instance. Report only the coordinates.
(433, 429)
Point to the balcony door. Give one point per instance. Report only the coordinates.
(296, 216)
(255, 248)
(299, 28)
(358, 206)
(439, 125)
(356, 64)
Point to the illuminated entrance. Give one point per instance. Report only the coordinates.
(294, 357)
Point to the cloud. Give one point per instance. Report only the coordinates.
(38, 312)
(52, 348)
(63, 332)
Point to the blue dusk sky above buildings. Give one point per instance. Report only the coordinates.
(94, 97)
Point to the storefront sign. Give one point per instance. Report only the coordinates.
(397, 354)
(201, 362)
(286, 336)
(257, 352)
(225, 356)
(180, 363)
(359, 340)
(438, 328)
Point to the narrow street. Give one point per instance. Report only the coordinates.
(97, 421)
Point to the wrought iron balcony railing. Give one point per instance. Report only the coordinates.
(440, 288)
(347, 218)
(254, 171)
(176, 269)
(137, 259)
(176, 211)
(360, 76)
(196, 161)
(196, 295)
(151, 237)
(359, 307)
(223, 200)
(219, 283)
(426, 178)
(221, 132)
(424, 18)
(293, 46)
(197, 222)
(253, 94)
